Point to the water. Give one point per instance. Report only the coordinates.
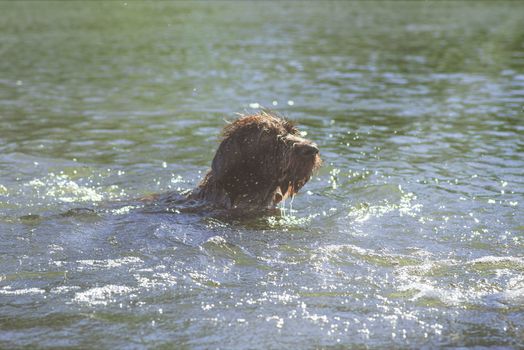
(410, 236)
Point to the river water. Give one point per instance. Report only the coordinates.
(410, 236)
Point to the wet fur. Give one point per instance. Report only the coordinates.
(261, 160)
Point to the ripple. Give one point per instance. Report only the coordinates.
(109, 263)
(62, 188)
(23, 291)
(434, 283)
(338, 254)
(406, 205)
(102, 295)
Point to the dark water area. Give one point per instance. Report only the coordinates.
(411, 235)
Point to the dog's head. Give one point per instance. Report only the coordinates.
(262, 160)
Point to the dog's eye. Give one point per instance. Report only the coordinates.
(292, 139)
(288, 139)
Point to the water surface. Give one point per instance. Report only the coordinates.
(410, 236)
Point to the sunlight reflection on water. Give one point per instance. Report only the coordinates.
(409, 236)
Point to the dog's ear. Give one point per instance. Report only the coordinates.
(226, 160)
(247, 163)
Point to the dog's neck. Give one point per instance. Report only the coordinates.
(212, 191)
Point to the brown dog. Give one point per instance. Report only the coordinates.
(261, 160)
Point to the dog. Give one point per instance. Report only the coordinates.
(262, 159)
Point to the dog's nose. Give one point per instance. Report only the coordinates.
(308, 149)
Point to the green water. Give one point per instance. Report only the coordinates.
(410, 236)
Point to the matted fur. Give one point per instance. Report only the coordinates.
(261, 160)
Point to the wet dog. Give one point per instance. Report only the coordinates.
(262, 159)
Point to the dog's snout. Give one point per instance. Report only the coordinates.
(308, 149)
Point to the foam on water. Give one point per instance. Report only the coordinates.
(63, 189)
(110, 263)
(102, 295)
(438, 280)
